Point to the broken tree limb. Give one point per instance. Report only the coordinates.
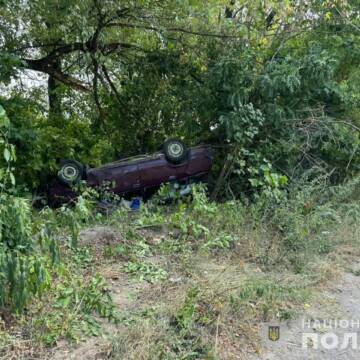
(225, 171)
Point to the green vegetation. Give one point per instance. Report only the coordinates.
(274, 88)
(278, 100)
(208, 268)
(146, 271)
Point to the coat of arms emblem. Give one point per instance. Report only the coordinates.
(274, 333)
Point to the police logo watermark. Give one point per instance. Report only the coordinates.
(335, 334)
(274, 333)
(313, 335)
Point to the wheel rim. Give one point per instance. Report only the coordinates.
(70, 173)
(175, 149)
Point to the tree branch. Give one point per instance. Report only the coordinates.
(180, 30)
(47, 68)
(46, 63)
(112, 86)
(69, 80)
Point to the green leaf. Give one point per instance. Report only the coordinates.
(7, 155)
(4, 121)
(12, 179)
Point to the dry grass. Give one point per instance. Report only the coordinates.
(212, 302)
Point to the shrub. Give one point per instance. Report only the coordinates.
(23, 269)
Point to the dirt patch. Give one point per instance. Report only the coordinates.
(92, 349)
(339, 302)
(128, 294)
(99, 236)
(124, 294)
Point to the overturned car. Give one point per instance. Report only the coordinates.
(141, 175)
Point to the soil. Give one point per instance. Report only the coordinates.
(341, 301)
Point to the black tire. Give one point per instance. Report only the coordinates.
(175, 151)
(70, 172)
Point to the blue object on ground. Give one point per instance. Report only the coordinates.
(135, 204)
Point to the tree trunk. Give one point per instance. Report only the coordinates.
(226, 169)
(53, 92)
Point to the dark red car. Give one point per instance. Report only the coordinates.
(140, 174)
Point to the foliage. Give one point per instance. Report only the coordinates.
(188, 313)
(254, 262)
(24, 272)
(146, 271)
(42, 143)
(278, 92)
(7, 151)
(74, 218)
(268, 297)
(74, 308)
(273, 87)
(222, 241)
(24, 260)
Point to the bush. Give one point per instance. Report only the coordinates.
(23, 269)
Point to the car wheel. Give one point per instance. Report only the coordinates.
(175, 151)
(70, 172)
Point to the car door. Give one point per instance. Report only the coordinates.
(126, 177)
(123, 177)
(156, 171)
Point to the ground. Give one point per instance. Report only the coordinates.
(194, 281)
(339, 301)
(337, 298)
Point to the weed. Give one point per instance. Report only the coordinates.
(146, 271)
(188, 312)
(222, 241)
(267, 298)
(158, 341)
(83, 257)
(226, 290)
(72, 310)
(116, 251)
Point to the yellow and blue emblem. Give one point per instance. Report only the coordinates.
(274, 333)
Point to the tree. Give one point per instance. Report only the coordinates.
(123, 76)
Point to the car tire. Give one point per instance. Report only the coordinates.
(70, 172)
(175, 151)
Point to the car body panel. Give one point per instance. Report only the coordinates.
(123, 178)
